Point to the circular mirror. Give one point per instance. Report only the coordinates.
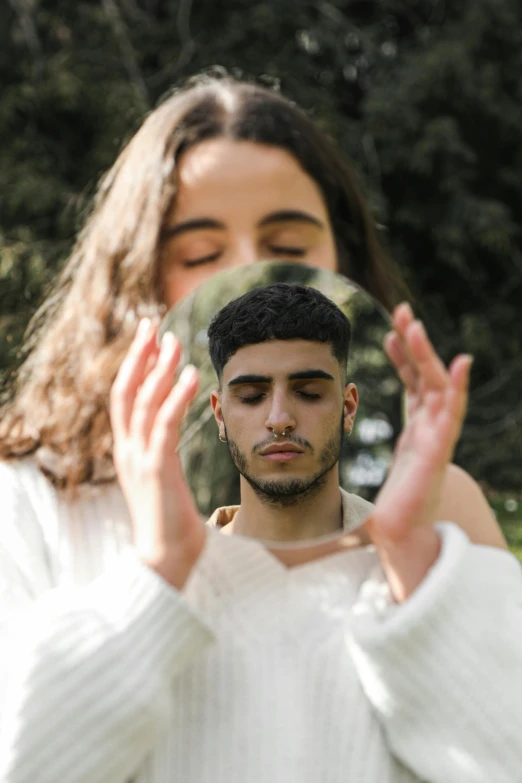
(365, 454)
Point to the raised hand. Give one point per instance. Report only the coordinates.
(401, 526)
(146, 415)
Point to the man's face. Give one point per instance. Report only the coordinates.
(291, 386)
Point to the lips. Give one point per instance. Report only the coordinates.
(278, 448)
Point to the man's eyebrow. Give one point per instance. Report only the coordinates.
(196, 224)
(310, 375)
(290, 216)
(242, 379)
(302, 375)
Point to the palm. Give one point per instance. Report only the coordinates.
(436, 406)
(146, 414)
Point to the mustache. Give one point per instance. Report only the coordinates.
(304, 444)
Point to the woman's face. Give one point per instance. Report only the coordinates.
(240, 202)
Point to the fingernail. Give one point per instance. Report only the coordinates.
(167, 341)
(187, 373)
(470, 358)
(143, 327)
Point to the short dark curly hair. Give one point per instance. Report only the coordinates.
(281, 311)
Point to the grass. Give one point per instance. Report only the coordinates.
(507, 507)
(513, 533)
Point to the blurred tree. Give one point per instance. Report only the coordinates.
(444, 124)
(423, 95)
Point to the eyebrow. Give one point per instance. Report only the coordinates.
(311, 375)
(290, 216)
(282, 216)
(197, 224)
(303, 375)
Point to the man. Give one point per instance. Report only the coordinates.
(281, 356)
(375, 664)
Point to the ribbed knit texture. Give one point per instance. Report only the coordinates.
(254, 673)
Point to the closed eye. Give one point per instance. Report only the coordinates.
(258, 397)
(200, 261)
(296, 252)
(252, 400)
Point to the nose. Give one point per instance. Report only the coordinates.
(244, 252)
(280, 417)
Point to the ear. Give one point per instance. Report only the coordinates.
(215, 402)
(351, 401)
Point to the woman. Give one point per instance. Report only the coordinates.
(222, 173)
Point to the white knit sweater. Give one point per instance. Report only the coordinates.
(255, 673)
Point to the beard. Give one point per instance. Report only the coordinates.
(287, 492)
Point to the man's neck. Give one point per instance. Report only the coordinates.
(315, 516)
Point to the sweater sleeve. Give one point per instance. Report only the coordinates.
(443, 671)
(85, 673)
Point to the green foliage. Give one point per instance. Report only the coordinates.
(425, 97)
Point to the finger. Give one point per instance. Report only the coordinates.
(449, 408)
(155, 389)
(130, 376)
(429, 366)
(408, 328)
(460, 371)
(402, 317)
(399, 358)
(164, 437)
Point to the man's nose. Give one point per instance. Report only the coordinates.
(280, 417)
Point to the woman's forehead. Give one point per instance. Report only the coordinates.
(220, 177)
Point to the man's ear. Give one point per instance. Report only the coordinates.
(215, 402)
(351, 401)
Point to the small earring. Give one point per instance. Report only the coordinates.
(222, 439)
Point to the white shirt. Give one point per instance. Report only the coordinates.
(254, 673)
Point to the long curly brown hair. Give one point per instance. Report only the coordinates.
(57, 406)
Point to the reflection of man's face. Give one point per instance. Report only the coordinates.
(291, 386)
